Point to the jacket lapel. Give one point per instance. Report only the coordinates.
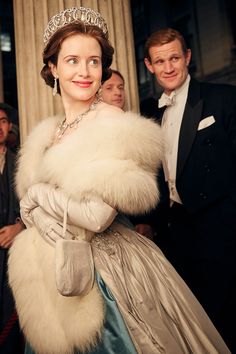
(192, 116)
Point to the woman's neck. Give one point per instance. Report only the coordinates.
(66, 127)
(74, 109)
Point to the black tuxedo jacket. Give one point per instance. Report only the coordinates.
(206, 162)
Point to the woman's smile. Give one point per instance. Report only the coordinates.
(83, 84)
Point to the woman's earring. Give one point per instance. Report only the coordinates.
(54, 91)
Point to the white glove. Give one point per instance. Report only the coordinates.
(93, 215)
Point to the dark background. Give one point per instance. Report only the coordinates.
(8, 52)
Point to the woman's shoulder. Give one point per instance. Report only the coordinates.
(113, 117)
(44, 128)
(105, 108)
(48, 122)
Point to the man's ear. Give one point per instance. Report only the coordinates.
(188, 56)
(53, 69)
(148, 65)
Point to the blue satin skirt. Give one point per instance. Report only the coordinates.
(115, 336)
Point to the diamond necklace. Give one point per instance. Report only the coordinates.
(63, 126)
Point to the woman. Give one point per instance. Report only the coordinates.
(113, 90)
(83, 280)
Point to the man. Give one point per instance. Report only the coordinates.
(199, 180)
(113, 90)
(10, 226)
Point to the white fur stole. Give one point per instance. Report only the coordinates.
(114, 156)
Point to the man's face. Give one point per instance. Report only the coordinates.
(169, 64)
(5, 127)
(113, 91)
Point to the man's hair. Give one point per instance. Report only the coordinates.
(164, 36)
(11, 112)
(118, 73)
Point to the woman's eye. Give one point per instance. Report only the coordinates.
(72, 61)
(94, 61)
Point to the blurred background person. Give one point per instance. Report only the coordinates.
(11, 340)
(113, 90)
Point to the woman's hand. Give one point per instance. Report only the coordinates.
(91, 214)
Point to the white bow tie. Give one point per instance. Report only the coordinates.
(166, 100)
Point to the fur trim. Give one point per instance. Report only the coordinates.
(115, 158)
(31, 154)
(52, 323)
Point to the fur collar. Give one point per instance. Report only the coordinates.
(114, 155)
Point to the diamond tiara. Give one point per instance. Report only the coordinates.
(63, 18)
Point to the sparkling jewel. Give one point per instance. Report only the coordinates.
(63, 126)
(83, 14)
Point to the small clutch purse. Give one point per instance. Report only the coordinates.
(74, 267)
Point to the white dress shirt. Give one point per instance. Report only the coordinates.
(171, 124)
